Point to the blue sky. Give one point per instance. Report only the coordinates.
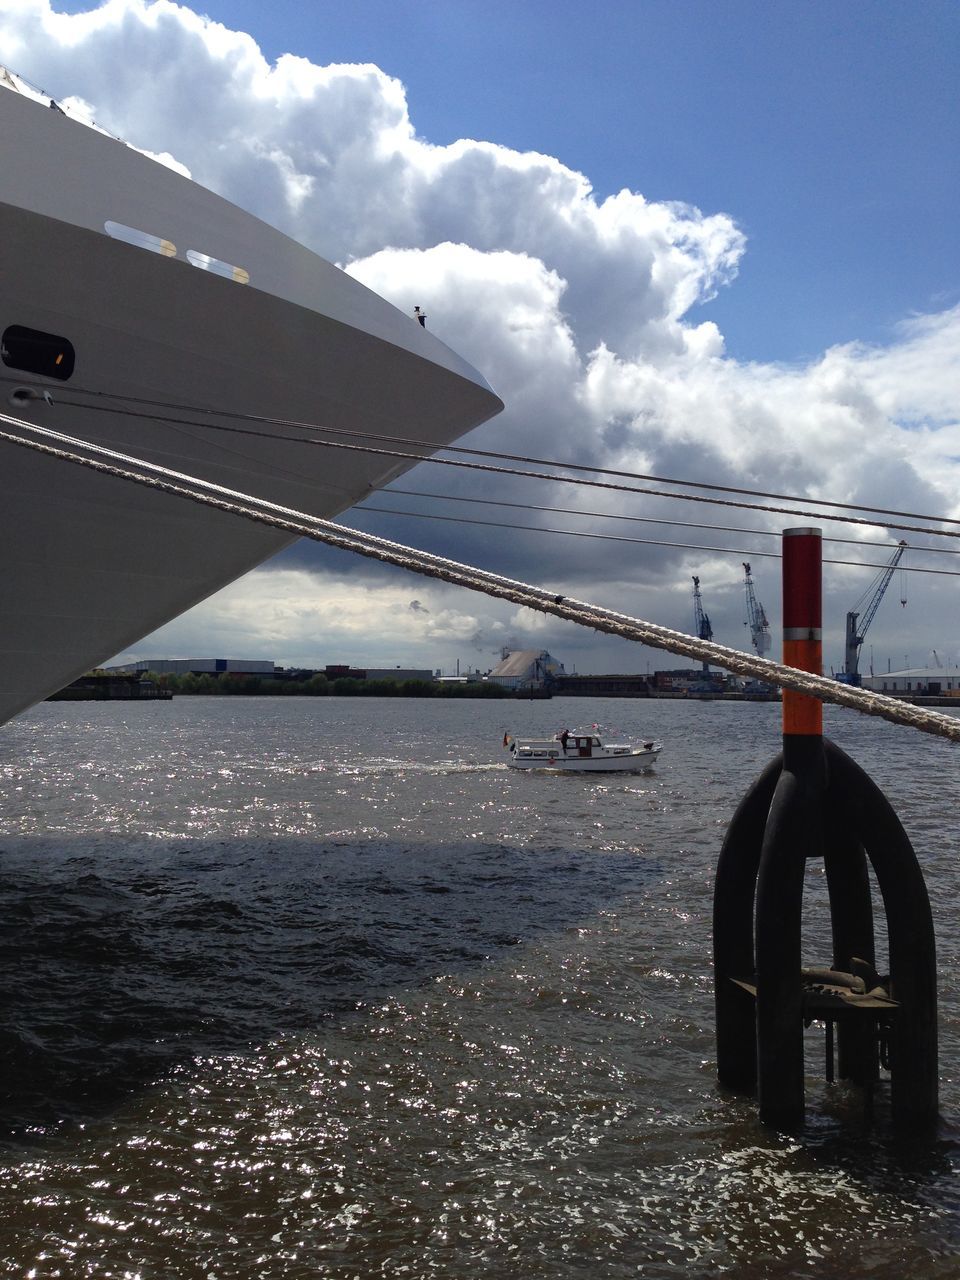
(772, 301)
(829, 130)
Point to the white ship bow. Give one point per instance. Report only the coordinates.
(164, 294)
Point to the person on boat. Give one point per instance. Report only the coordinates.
(564, 735)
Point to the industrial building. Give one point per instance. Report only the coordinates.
(525, 669)
(265, 667)
(198, 667)
(399, 673)
(930, 682)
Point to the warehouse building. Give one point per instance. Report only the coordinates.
(931, 682)
(525, 669)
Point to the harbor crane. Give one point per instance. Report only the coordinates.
(701, 623)
(867, 606)
(756, 618)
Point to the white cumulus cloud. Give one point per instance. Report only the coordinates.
(590, 317)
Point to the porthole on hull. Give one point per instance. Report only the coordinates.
(33, 351)
(206, 263)
(142, 239)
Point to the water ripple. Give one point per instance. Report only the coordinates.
(294, 990)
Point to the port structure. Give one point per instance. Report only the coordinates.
(860, 617)
(813, 803)
(701, 623)
(756, 619)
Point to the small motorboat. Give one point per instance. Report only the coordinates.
(580, 751)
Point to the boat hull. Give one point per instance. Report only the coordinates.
(92, 563)
(636, 762)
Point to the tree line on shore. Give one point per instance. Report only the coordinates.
(319, 686)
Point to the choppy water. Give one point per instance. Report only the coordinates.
(317, 987)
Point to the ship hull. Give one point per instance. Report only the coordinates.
(92, 563)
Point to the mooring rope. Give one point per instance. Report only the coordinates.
(488, 468)
(205, 414)
(656, 542)
(599, 619)
(462, 499)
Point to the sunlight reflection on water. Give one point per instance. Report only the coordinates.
(318, 987)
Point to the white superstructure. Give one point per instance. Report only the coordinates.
(148, 291)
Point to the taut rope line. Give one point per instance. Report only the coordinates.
(531, 475)
(431, 446)
(599, 619)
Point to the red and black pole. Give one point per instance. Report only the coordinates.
(794, 833)
(814, 802)
(802, 629)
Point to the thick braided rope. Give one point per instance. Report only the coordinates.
(607, 621)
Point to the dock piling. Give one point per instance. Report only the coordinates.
(813, 801)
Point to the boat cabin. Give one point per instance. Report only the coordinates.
(566, 745)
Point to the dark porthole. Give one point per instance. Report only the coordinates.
(36, 352)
